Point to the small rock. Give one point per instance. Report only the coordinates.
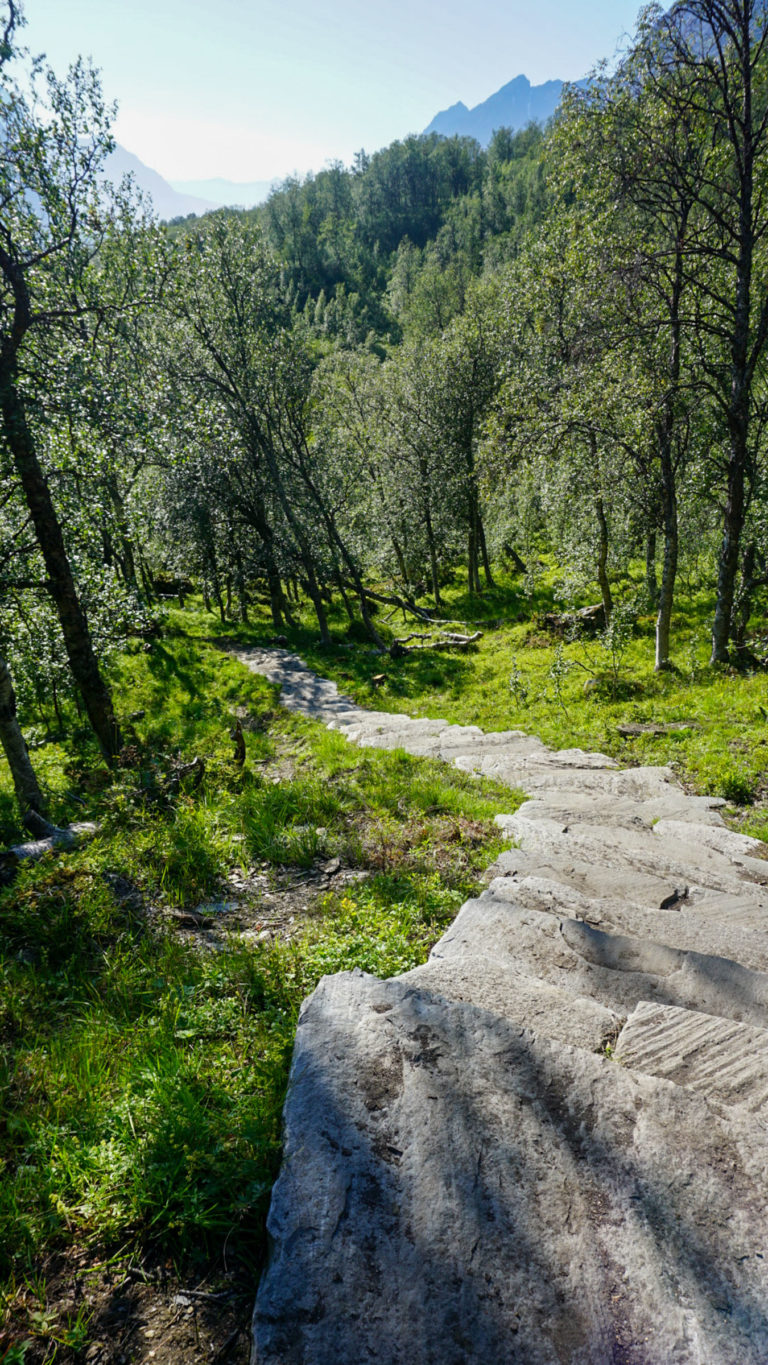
(634, 729)
(675, 900)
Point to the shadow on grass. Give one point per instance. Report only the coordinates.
(164, 665)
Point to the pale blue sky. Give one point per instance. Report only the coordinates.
(256, 90)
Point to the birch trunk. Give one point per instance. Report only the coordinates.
(25, 783)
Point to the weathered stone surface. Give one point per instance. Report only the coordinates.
(617, 971)
(591, 879)
(467, 1178)
(706, 926)
(543, 779)
(714, 1056)
(547, 1009)
(713, 835)
(457, 1191)
(590, 808)
(692, 864)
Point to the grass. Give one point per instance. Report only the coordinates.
(519, 676)
(141, 1077)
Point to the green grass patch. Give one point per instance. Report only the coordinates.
(569, 693)
(142, 1078)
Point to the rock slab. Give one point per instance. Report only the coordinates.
(458, 1191)
(548, 1145)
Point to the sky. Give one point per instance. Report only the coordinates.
(259, 89)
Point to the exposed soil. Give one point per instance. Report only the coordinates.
(263, 904)
(131, 1315)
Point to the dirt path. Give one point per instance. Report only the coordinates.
(469, 1175)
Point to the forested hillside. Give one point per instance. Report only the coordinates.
(443, 388)
(391, 373)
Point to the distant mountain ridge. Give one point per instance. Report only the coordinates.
(515, 105)
(228, 193)
(178, 198)
(166, 201)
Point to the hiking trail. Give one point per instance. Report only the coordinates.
(549, 1144)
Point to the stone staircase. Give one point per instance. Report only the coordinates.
(549, 1144)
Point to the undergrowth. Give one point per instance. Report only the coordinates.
(569, 692)
(142, 1077)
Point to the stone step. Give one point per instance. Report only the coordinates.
(715, 1057)
(483, 742)
(542, 779)
(501, 748)
(561, 761)
(580, 808)
(616, 970)
(693, 864)
(457, 1191)
(703, 927)
(466, 751)
(594, 880)
(380, 722)
(652, 890)
(536, 1004)
(714, 835)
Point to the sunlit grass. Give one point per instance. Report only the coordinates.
(519, 676)
(142, 1079)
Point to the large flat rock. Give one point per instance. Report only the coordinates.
(710, 925)
(593, 808)
(456, 1191)
(591, 878)
(692, 860)
(550, 1011)
(616, 970)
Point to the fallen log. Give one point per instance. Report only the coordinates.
(446, 640)
(634, 729)
(53, 840)
(449, 639)
(414, 635)
(404, 604)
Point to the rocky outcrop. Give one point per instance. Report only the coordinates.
(549, 1144)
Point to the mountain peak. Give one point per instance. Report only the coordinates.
(515, 105)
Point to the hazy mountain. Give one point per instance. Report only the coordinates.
(515, 105)
(244, 194)
(167, 201)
